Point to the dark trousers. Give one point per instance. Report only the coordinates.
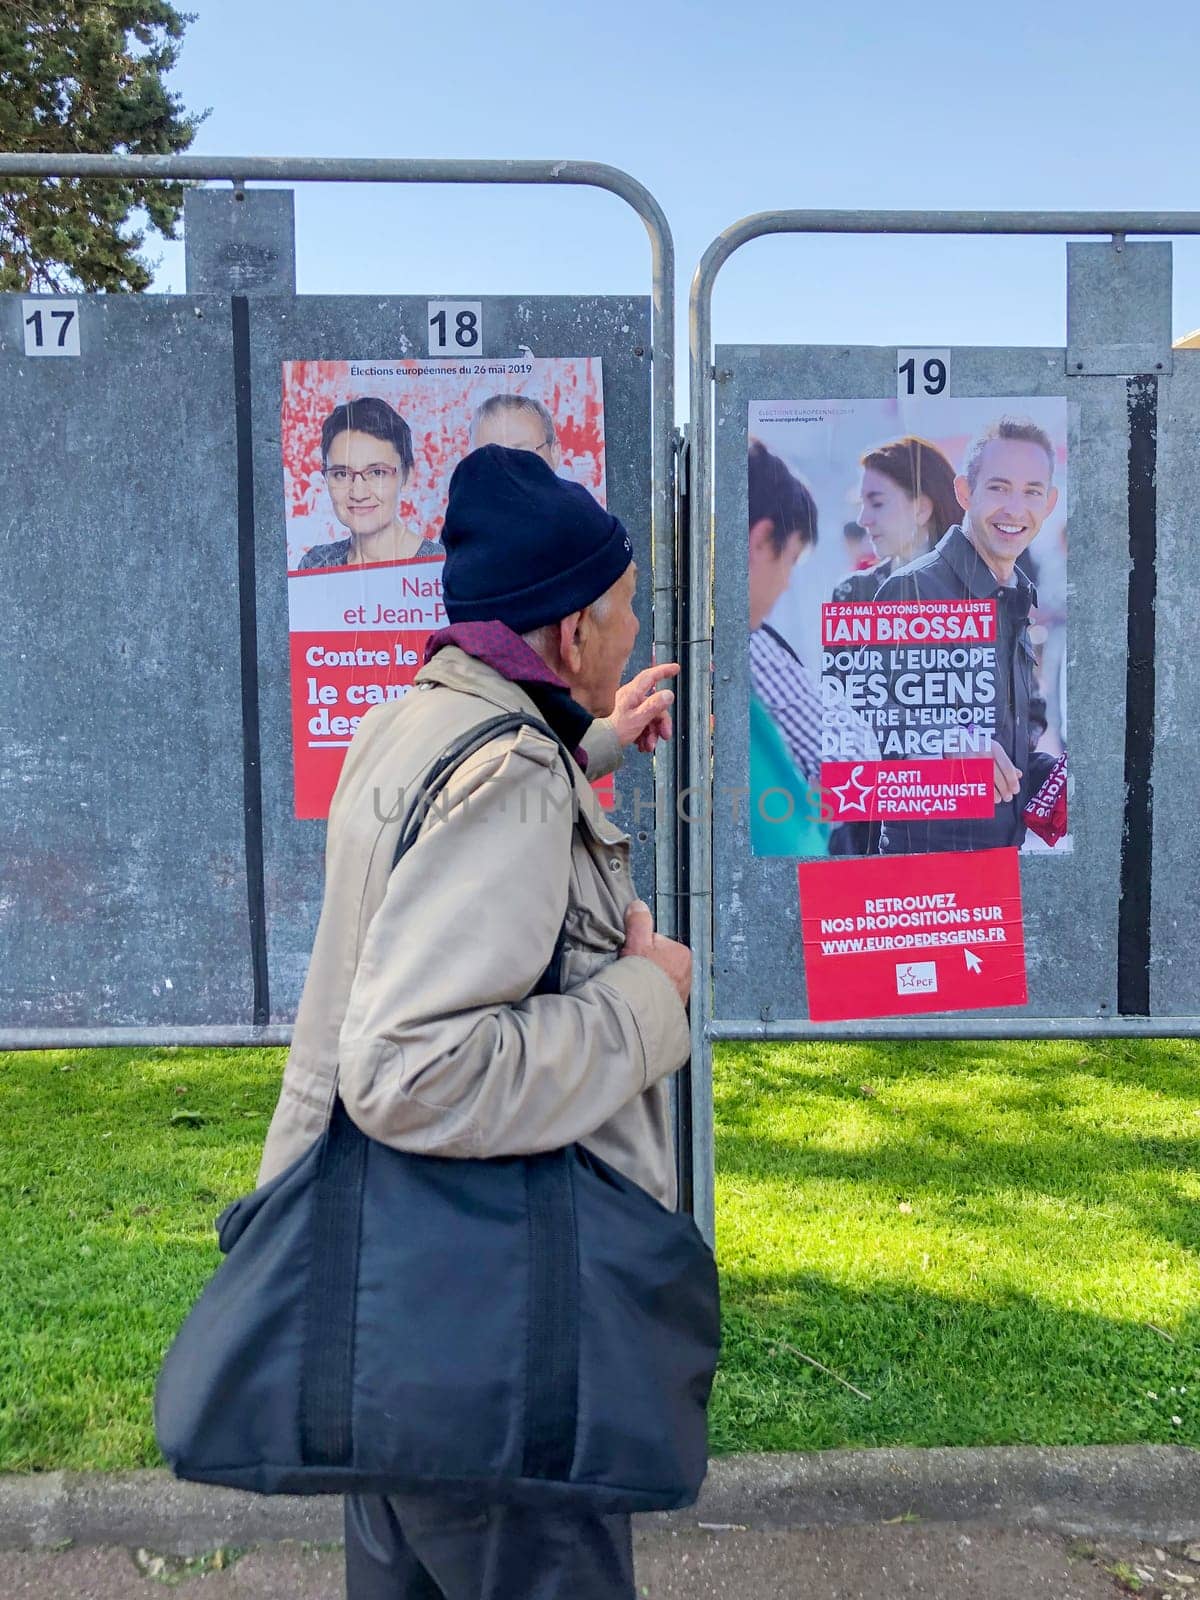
(409, 1549)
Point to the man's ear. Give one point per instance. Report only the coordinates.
(762, 539)
(1051, 500)
(962, 492)
(572, 631)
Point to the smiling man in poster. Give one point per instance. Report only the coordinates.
(1006, 491)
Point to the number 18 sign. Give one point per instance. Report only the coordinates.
(455, 327)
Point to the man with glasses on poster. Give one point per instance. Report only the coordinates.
(1006, 491)
(518, 422)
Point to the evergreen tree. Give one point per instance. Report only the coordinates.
(86, 77)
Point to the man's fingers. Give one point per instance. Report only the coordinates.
(639, 929)
(1007, 781)
(656, 705)
(652, 709)
(649, 676)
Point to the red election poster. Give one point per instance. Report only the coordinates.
(916, 933)
(368, 450)
(928, 670)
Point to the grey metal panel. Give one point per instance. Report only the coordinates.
(122, 888)
(616, 328)
(1175, 907)
(1105, 284)
(1070, 902)
(239, 243)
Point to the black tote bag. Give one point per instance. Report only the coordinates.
(525, 1329)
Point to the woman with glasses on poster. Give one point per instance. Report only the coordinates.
(907, 504)
(366, 457)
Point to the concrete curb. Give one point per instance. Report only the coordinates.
(1144, 1492)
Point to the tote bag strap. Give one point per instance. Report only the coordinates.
(327, 1370)
(439, 775)
(453, 757)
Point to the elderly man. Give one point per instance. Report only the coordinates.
(422, 995)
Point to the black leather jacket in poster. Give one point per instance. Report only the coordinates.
(954, 570)
(866, 583)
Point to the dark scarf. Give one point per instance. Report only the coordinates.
(497, 646)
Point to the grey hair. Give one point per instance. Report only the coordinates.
(539, 639)
(542, 639)
(515, 402)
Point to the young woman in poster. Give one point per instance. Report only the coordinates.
(367, 456)
(908, 503)
(785, 702)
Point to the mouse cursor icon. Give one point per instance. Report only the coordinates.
(973, 962)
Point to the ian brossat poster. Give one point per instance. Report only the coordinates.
(908, 622)
(368, 450)
(908, 608)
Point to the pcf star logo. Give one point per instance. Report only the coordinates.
(842, 790)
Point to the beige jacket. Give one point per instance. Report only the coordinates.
(419, 978)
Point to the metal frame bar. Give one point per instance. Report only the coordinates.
(240, 170)
(704, 1029)
(801, 1032)
(113, 1038)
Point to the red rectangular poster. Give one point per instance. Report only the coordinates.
(889, 937)
(929, 670)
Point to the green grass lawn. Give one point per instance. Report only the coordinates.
(115, 1164)
(982, 1238)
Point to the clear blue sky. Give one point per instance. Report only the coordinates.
(721, 109)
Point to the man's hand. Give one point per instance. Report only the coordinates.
(672, 958)
(641, 713)
(1006, 779)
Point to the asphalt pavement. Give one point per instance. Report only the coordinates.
(1001, 1524)
(939, 1562)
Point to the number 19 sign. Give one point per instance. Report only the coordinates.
(921, 373)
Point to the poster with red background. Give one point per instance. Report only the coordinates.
(365, 497)
(910, 934)
(931, 668)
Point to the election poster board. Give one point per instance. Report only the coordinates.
(907, 670)
(368, 450)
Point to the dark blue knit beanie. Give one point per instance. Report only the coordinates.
(524, 546)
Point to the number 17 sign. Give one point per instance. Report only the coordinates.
(51, 327)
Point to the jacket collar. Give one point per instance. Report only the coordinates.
(977, 578)
(453, 668)
(497, 646)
